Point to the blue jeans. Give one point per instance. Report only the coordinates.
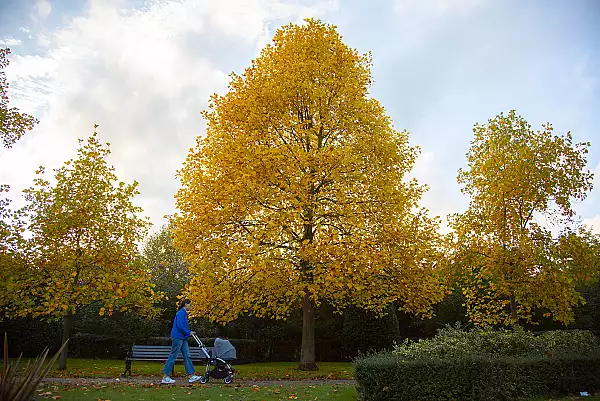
(176, 346)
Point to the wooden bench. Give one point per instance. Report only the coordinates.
(160, 353)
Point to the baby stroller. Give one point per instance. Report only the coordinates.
(221, 369)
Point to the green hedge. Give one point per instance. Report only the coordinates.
(364, 331)
(453, 342)
(386, 376)
(30, 337)
(86, 345)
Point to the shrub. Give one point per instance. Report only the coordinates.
(87, 345)
(31, 337)
(562, 340)
(452, 342)
(387, 376)
(482, 364)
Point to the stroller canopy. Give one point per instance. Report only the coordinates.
(224, 349)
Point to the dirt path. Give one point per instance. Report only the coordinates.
(182, 381)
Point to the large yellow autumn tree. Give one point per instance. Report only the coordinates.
(297, 193)
(521, 185)
(82, 249)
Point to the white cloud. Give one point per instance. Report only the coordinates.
(588, 208)
(593, 223)
(442, 198)
(143, 76)
(43, 8)
(423, 169)
(10, 42)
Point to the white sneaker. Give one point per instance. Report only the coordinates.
(167, 380)
(194, 378)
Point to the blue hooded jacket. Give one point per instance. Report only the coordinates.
(180, 328)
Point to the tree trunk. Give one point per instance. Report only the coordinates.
(513, 311)
(67, 325)
(307, 352)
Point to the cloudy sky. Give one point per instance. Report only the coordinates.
(143, 70)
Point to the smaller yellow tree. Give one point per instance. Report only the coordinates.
(83, 248)
(510, 264)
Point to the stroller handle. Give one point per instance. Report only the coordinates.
(195, 337)
(201, 345)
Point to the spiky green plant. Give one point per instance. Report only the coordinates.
(18, 385)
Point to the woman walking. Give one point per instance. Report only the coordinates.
(179, 338)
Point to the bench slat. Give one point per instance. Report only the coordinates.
(160, 348)
(197, 356)
(194, 345)
(160, 353)
(167, 352)
(163, 358)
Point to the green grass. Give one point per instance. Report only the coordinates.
(125, 392)
(80, 368)
(572, 398)
(149, 392)
(256, 371)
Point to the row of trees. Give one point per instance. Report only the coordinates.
(297, 196)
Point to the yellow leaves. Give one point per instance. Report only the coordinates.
(84, 234)
(515, 173)
(298, 188)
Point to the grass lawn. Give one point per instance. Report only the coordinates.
(148, 392)
(126, 392)
(573, 398)
(80, 368)
(255, 371)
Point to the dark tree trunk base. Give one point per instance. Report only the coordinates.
(308, 366)
(307, 352)
(513, 311)
(67, 325)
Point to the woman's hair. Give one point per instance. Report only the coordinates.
(184, 302)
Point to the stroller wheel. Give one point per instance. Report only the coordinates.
(228, 379)
(204, 379)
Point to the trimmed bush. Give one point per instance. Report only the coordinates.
(86, 345)
(482, 364)
(452, 342)
(386, 376)
(30, 336)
